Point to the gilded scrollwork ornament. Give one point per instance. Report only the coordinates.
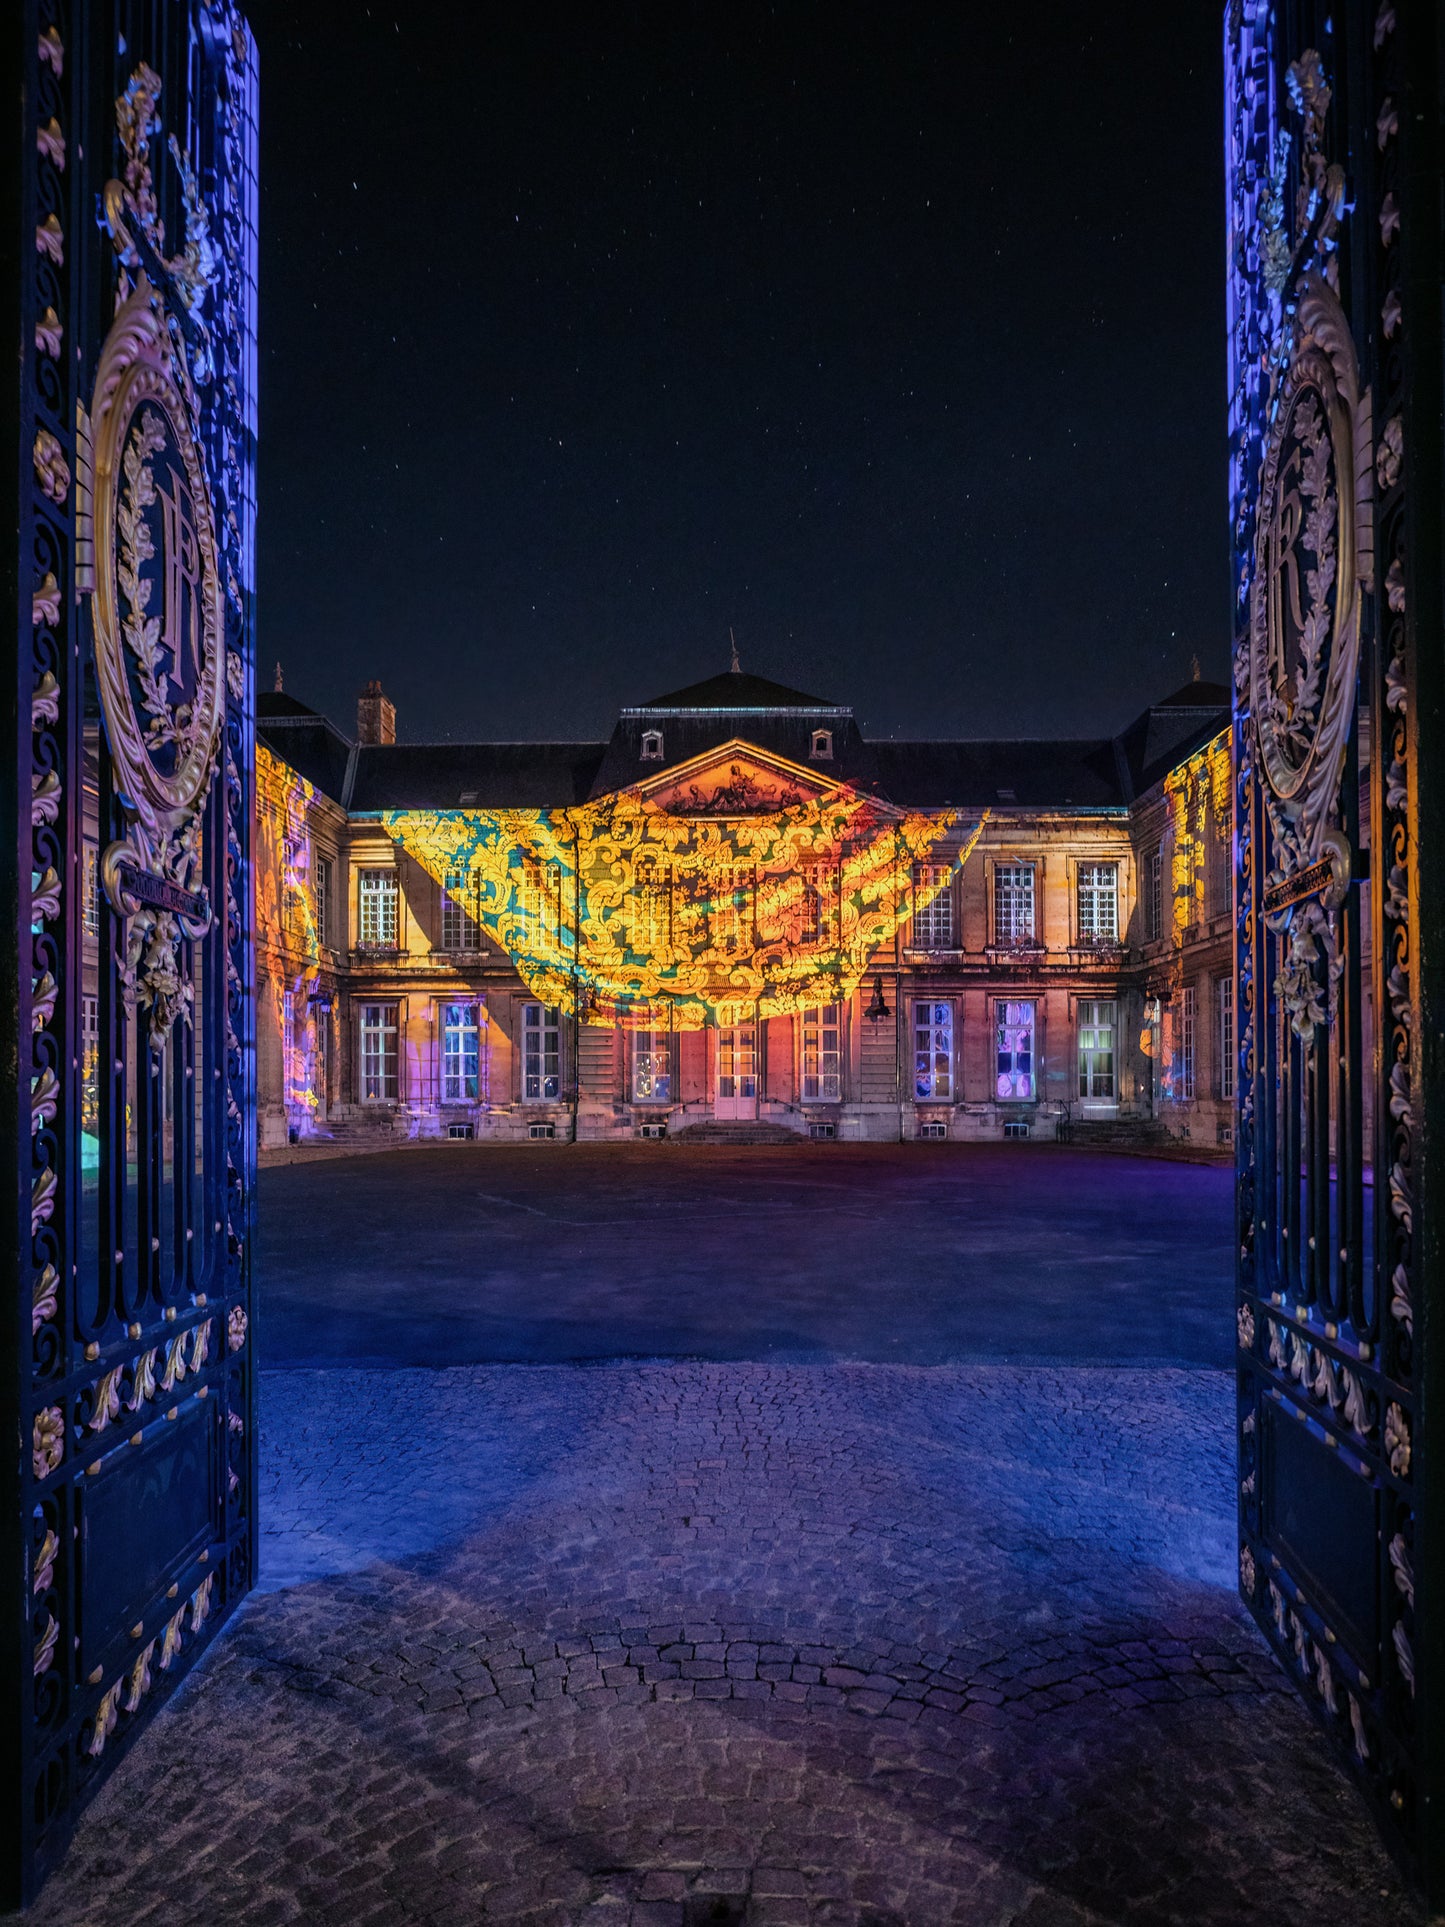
(159, 612)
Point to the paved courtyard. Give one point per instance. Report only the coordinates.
(654, 1642)
(896, 1253)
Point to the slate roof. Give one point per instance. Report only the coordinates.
(1089, 773)
(735, 690)
(449, 776)
(988, 775)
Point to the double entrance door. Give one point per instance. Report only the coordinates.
(736, 1071)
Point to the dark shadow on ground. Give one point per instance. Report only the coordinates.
(900, 1254)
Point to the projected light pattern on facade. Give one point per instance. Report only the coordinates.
(1197, 798)
(288, 925)
(622, 908)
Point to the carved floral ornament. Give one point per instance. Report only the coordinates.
(159, 631)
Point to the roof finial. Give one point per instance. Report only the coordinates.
(735, 665)
(277, 684)
(1196, 676)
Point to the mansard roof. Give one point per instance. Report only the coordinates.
(484, 776)
(1087, 774)
(1040, 775)
(733, 690)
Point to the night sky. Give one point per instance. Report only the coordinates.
(892, 338)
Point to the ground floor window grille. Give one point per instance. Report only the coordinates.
(1098, 902)
(1224, 991)
(932, 1050)
(541, 1053)
(933, 922)
(1015, 1048)
(1013, 903)
(822, 1055)
(461, 1054)
(1188, 1028)
(459, 928)
(377, 913)
(651, 1067)
(378, 1053)
(1096, 1049)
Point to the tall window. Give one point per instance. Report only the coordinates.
(541, 902)
(1013, 903)
(932, 1050)
(822, 1054)
(1224, 993)
(90, 889)
(90, 1065)
(1098, 903)
(1218, 865)
(541, 1053)
(1096, 1049)
(461, 1054)
(321, 873)
(378, 1053)
(649, 909)
(651, 1067)
(378, 909)
(459, 927)
(732, 910)
(1188, 1037)
(1015, 1048)
(933, 922)
(1154, 894)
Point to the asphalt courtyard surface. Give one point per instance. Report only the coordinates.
(809, 1635)
(918, 1254)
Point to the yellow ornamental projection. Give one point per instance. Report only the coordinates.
(642, 913)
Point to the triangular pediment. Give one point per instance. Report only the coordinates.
(735, 779)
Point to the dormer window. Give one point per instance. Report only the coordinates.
(822, 750)
(652, 745)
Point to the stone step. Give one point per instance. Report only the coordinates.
(720, 1131)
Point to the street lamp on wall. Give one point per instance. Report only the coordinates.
(878, 1009)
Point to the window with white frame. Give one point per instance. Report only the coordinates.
(1154, 894)
(379, 1053)
(1224, 1026)
(652, 746)
(1096, 1019)
(1014, 1049)
(1184, 1067)
(822, 748)
(461, 1033)
(932, 920)
(732, 910)
(932, 1050)
(1218, 865)
(1013, 904)
(1098, 903)
(541, 902)
(378, 919)
(817, 918)
(651, 1066)
(650, 907)
(823, 1054)
(541, 1053)
(460, 930)
(321, 884)
(90, 889)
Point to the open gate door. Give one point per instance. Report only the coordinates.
(126, 1100)
(1332, 150)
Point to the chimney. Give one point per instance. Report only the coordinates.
(375, 716)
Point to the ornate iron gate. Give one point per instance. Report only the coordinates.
(1332, 132)
(128, 1108)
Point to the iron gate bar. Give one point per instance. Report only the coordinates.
(1333, 159)
(126, 1364)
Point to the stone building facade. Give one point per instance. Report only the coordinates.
(1060, 964)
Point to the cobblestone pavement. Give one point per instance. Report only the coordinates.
(884, 1252)
(659, 1645)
